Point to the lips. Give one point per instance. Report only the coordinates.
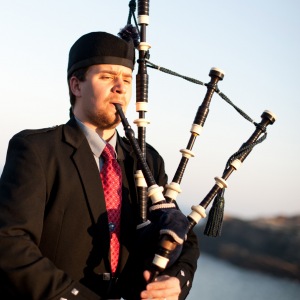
(119, 102)
(113, 106)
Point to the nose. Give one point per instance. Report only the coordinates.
(119, 86)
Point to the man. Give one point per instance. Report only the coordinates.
(61, 236)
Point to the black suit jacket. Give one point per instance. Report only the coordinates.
(53, 221)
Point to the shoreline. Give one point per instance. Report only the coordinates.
(264, 245)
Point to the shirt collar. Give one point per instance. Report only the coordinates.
(95, 141)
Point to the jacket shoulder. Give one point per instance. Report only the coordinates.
(32, 132)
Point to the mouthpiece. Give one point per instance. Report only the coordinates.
(118, 106)
(122, 116)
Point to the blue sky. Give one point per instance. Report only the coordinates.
(255, 42)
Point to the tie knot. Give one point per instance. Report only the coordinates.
(108, 152)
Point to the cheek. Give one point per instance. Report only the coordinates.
(100, 92)
(128, 95)
(87, 91)
(95, 94)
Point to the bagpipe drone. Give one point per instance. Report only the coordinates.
(166, 222)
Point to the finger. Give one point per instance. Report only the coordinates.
(168, 298)
(162, 277)
(147, 275)
(161, 294)
(169, 287)
(164, 283)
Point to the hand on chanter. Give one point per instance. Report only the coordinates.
(164, 288)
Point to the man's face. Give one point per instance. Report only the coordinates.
(105, 85)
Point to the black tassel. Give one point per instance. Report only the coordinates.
(130, 32)
(215, 218)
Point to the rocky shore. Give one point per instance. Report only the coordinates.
(267, 245)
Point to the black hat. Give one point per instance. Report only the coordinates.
(101, 48)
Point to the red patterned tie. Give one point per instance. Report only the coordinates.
(111, 176)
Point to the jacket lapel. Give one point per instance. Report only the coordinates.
(89, 174)
(129, 210)
(91, 181)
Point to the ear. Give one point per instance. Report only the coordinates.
(75, 86)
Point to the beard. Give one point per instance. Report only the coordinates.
(103, 119)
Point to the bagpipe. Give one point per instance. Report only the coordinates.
(166, 222)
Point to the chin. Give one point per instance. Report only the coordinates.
(104, 121)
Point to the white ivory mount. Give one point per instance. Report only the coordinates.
(173, 189)
(141, 122)
(160, 261)
(196, 129)
(187, 153)
(162, 206)
(155, 193)
(143, 46)
(142, 225)
(218, 70)
(236, 163)
(272, 114)
(221, 182)
(197, 213)
(140, 179)
(141, 106)
(173, 234)
(143, 19)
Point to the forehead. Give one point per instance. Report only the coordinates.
(116, 69)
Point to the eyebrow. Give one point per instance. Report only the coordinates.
(115, 73)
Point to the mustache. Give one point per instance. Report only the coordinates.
(116, 98)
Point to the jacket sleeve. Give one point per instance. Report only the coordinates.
(186, 265)
(24, 272)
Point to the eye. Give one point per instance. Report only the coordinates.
(106, 77)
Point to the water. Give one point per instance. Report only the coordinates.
(215, 279)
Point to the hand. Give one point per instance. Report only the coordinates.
(164, 288)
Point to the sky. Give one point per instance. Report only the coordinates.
(255, 42)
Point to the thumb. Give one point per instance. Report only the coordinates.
(147, 275)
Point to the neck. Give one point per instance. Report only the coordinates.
(106, 134)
